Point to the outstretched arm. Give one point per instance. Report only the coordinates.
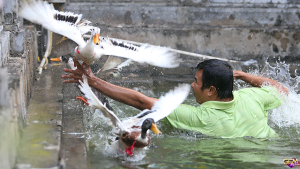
(257, 81)
(118, 93)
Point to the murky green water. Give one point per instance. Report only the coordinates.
(187, 149)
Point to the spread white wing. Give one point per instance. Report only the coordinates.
(169, 102)
(42, 13)
(111, 63)
(163, 107)
(96, 103)
(153, 55)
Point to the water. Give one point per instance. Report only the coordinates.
(187, 149)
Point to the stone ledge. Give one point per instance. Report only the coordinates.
(40, 141)
(73, 146)
(4, 46)
(16, 82)
(206, 3)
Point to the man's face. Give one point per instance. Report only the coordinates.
(200, 95)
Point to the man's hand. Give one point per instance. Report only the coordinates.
(76, 75)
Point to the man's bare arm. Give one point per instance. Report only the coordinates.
(118, 93)
(258, 81)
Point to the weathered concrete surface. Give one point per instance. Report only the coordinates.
(8, 125)
(53, 135)
(186, 14)
(230, 43)
(40, 142)
(5, 46)
(73, 148)
(16, 85)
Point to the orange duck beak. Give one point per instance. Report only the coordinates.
(56, 59)
(96, 39)
(155, 129)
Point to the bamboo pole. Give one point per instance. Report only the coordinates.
(44, 61)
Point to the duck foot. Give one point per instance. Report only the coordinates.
(129, 150)
(83, 99)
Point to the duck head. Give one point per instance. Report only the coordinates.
(149, 123)
(95, 35)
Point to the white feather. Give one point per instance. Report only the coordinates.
(41, 12)
(96, 103)
(153, 55)
(71, 64)
(169, 102)
(111, 63)
(163, 107)
(125, 63)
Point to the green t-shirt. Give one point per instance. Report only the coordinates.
(245, 115)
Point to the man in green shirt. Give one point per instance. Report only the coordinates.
(222, 112)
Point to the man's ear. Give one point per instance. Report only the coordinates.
(212, 91)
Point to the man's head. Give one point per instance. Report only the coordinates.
(213, 81)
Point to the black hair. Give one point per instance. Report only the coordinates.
(219, 74)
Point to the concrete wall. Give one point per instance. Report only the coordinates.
(18, 51)
(233, 29)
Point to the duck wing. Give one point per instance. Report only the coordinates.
(124, 64)
(96, 103)
(161, 108)
(137, 120)
(114, 63)
(111, 63)
(43, 13)
(169, 102)
(153, 55)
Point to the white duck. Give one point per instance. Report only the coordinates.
(133, 131)
(68, 24)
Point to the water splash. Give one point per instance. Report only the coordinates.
(116, 149)
(101, 138)
(286, 118)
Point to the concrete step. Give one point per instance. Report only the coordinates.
(73, 147)
(41, 135)
(53, 136)
(16, 86)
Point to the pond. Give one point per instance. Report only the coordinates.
(177, 148)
